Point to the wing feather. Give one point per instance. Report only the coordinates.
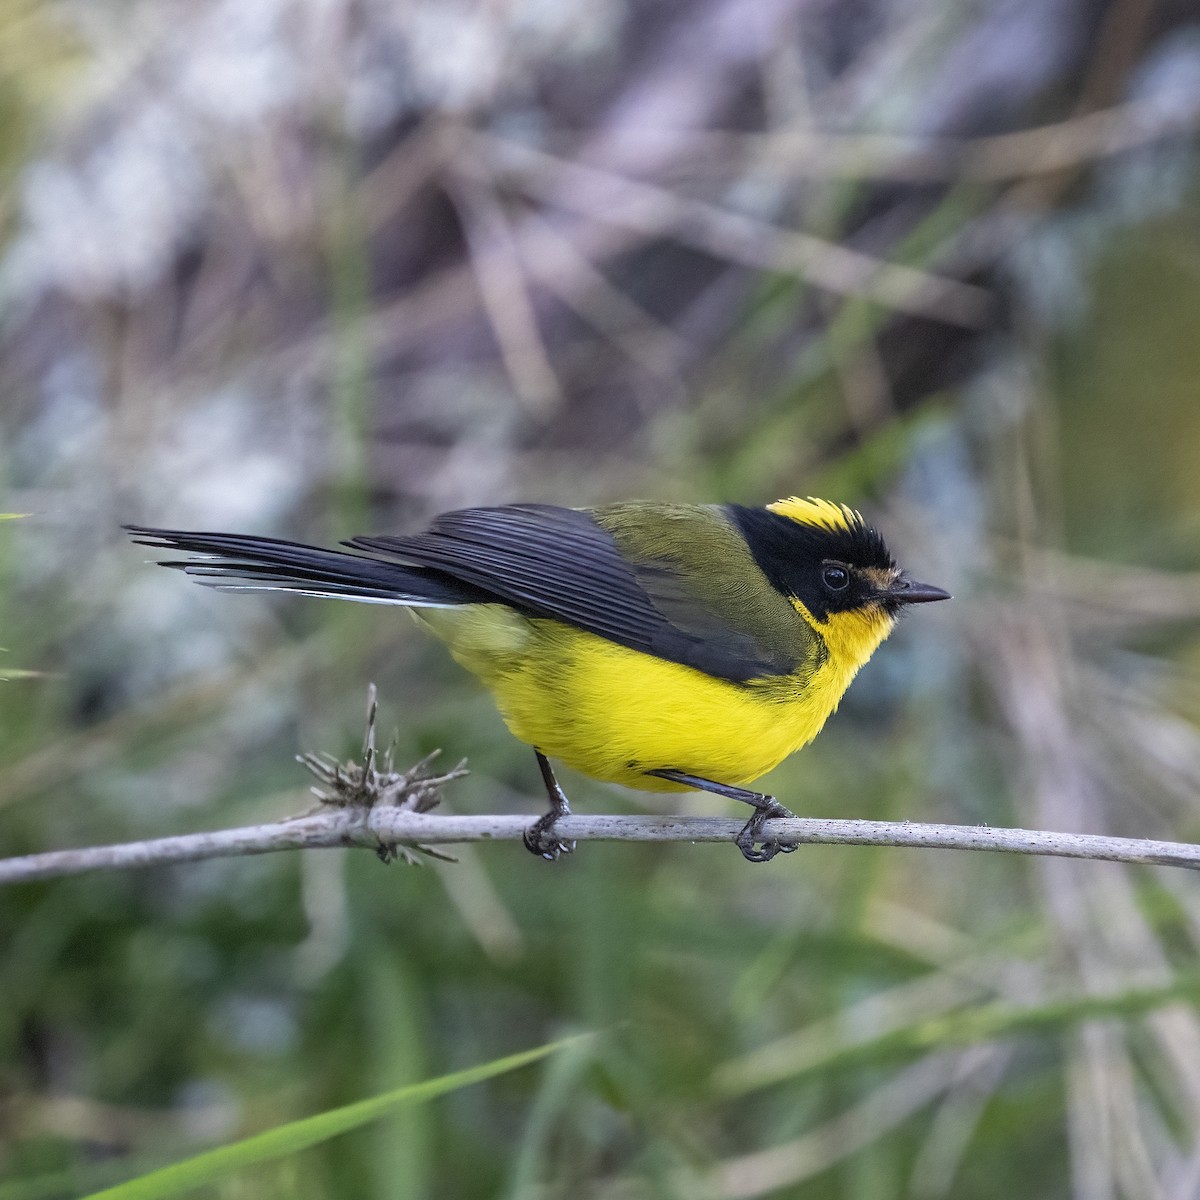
(561, 563)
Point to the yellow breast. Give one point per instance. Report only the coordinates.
(615, 713)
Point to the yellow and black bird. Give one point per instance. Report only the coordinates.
(661, 646)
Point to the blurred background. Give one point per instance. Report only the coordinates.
(313, 268)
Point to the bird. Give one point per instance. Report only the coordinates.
(662, 646)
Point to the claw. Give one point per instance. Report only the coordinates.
(539, 840)
(755, 843)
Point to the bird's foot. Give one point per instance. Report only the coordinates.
(755, 843)
(539, 838)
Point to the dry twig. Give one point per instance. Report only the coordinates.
(379, 828)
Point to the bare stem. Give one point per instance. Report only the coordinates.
(382, 827)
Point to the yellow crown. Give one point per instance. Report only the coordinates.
(823, 513)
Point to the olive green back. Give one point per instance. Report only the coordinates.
(699, 572)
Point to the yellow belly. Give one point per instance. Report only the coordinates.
(615, 713)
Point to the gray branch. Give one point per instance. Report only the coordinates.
(381, 828)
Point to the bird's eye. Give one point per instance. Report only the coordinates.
(836, 579)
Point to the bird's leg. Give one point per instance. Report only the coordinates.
(537, 837)
(753, 841)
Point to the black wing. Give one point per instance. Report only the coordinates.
(558, 562)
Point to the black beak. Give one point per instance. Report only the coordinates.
(908, 591)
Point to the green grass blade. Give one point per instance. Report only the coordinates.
(298, 1135)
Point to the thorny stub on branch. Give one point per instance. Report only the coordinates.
(375, 782)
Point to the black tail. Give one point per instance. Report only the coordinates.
(236, 562)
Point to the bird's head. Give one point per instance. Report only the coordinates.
(835, 569)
